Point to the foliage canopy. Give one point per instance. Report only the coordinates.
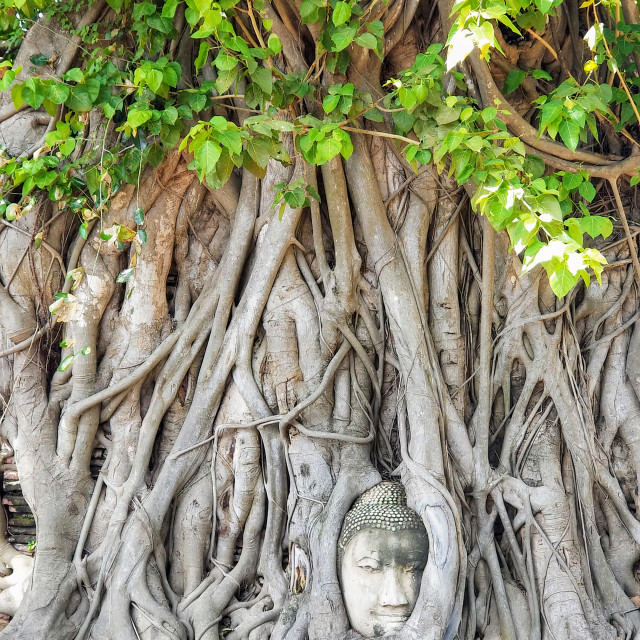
(157, 105)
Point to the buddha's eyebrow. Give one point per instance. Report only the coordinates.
(412, 556)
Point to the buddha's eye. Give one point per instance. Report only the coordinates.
(369, 566)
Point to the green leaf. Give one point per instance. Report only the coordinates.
(219, 123)
(367, 40)
(377, 29)
(513, 80)
(264, 79)
(207, 155)
(33, 92)
(154, 79)
(310, 11)
(212, 19)
(595, 226)
(230, 139)
(224, 81)
(545, 5)
(424, 156)
(66, 363)
(606, 93)
(489, 114)
(408, 98)
(39, 59)
(7, 79)
(571, 180)
(447, 115)
(374, 115)
(484, 36)
(74, 75)
(79, 98)
(49, 107)
(142, 9)
(274, 44)
(346, 146)
(225, 62)
(574, 231)
(522, 232)
(58, 92)
(546, 254)
(137, 117)
(171, 73)
(570, 133)
(197, 101)
(343, 37)
(169, 8)
(549, 208)
(66, 147)
(169, 115)
(341, 13)
(253, 96)
(249, 163)
(138, 216)
(312, 192)
(203, 52)
(550, 111)
(327, 148)
(587, 191)
(475, 143)
(16, 95)
(155, 155)
(259, 149)
(540, 74)
(330, 102)
(562, 280)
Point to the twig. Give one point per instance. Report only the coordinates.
(381, 134)
(623, 218)
(47, 246)
(24, 344)
(405, 184)
(543, 42)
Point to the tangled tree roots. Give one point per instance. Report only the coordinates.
(259, 372)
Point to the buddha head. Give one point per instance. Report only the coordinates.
(382, 552)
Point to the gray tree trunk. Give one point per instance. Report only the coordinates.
(256, 375)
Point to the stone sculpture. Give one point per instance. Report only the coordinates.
(382, 552)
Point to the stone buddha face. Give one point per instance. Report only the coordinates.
(382, 554)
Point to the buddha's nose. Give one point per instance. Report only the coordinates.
(393, 594)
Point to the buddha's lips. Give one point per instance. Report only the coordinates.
(390, 617)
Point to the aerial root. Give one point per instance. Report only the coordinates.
(157, 615)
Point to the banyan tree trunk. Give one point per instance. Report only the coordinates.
(260, 372)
